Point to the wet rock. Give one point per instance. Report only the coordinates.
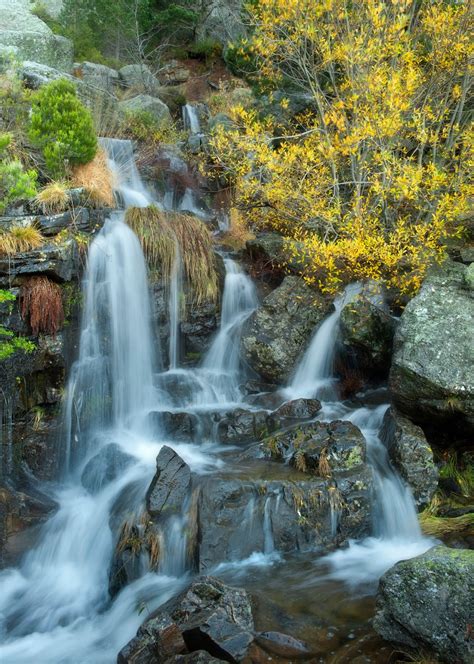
(320, 448)
(242, 425)
(198, 328)
(208, 616)
(267, 247)
(298, 409)
(411, 454)
(282, 645)
(267, 344)
(158, 109)
(170, 485)
(59, 261)
(366, 330)
(158, 639)
(181, 426)
(106, 466)
(426, 604)
(267, 400)
(241, 517)
(431, 378)
(197, 657)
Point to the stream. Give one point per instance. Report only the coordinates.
(55, 607)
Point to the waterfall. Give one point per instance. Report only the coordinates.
(396, 529)
(222, 362)
(111, 382)
(123, 166)
(191, 119)
(174, 308)
(314, 375)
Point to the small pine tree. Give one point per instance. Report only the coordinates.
(62, 127)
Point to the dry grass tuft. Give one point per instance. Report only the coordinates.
(53, 198)
(19, 239)
(42, 305)
(161, 233)
(238, 234)
(97, 179)
(324, 467)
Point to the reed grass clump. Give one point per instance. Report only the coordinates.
(97, 179)
(18, 239)
(53, 198)
(162, 234)
(437, 526)
(42, 305)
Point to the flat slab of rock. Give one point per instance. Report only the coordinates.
(58, 261)
(170, 486)
(426, 604)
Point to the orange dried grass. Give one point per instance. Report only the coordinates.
(97, 179)
(42, 305)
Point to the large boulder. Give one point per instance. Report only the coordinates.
(220, 20)
(99, 76)
(411, 454)
(158, 109)
(170, 485)
(139, 78)
(276, 334)
(208, 616)
(432, 377)
(426, 604)
(29, 38)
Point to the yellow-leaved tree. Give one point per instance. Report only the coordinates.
(373, 176)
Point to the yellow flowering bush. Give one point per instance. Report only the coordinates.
(371, 179)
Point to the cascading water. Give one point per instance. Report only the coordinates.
(397, 533)
(191, 119)
(123, 166)
(174, 307)
(222, 363)
(314, 375)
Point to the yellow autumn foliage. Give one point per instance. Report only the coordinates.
(370, 181)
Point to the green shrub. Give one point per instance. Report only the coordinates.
(15, 183)
(143, 126)
(9, 343)
(205, 49)
(62, 127)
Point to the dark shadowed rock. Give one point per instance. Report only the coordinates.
(208, 616)
(411, 454)
(242, 425)
(366, 332)
(58, 261)
(170, 486)
(425, 604)
(431, 378)
(104, 467)
(298, 409)
(275, 335)
(158, 639)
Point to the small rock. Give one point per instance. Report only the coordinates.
(170, 486)
(282, 645)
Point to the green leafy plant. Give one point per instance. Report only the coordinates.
(62, 127)
(9, 342)
(16, 183)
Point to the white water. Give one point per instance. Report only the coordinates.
(123, 166)
(174, 307)
(314, 375)
(396, 531)
(191, 119)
